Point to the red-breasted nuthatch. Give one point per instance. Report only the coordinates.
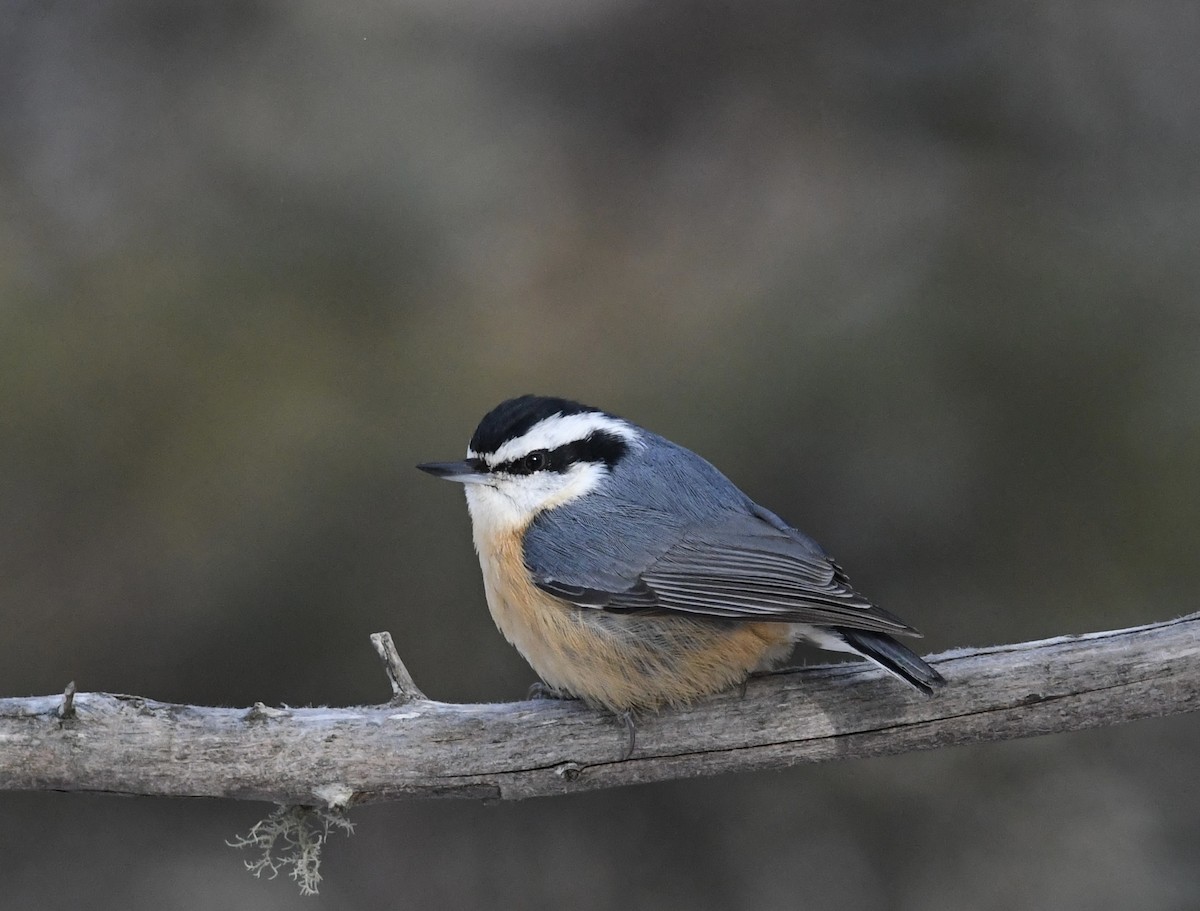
(632, 574)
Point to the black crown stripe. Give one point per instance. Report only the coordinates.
(513, 418)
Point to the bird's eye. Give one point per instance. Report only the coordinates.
(535, 461)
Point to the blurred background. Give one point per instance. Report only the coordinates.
(921, 278)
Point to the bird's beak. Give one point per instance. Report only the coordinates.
(468, 471)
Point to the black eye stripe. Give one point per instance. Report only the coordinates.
(599, 447)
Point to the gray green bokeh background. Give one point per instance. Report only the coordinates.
(922, 279)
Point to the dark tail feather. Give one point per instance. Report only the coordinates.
(894, 657)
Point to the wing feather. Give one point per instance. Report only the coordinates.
(743, 568)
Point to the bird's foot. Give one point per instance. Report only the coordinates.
(541, 690)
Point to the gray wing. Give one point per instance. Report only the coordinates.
(744, 567)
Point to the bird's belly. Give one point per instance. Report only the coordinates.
(622, 661)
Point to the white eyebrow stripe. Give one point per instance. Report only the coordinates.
(558, 430)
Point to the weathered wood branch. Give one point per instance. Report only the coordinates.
(415, 747)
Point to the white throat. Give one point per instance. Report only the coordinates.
(506, 505)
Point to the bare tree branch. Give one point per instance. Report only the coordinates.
(403, 688)
(415, 747)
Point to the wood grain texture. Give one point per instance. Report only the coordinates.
(421, 748)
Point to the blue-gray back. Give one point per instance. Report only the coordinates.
(654, 497)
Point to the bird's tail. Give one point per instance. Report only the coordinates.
(892, 657)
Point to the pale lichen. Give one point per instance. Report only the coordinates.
(291, 839)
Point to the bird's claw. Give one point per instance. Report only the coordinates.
(631, 730)
(541, 690)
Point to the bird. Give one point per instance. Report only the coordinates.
(631, 574)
